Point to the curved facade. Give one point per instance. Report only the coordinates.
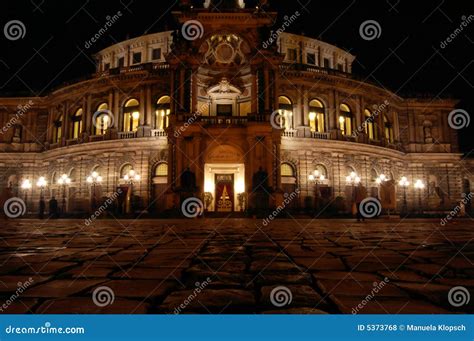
(218, 114)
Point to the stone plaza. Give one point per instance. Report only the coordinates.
(223, 266)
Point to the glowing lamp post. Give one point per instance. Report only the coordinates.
(404, 183)
(64, 181)
(94, 179)
(130, 178)
(315, 179)
(26, 186)
(353, 179)
(41, 184)
(419, 185)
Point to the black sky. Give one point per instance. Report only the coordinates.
(407, 58)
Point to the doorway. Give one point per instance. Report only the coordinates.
(224, 192)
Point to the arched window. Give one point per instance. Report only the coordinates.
(162, 112)
(102, 120)
(77, 124)
(126, 168)
(370, 125)
(373, 175)
(388, 129)
(345, 119)
(131, 115)
(73, 175)
(54, 178)
(58, 130)
(161, 169)
(287, 170)
(321, 170)
(316, 116)
(285, 108)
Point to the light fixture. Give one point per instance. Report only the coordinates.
(64, 180)
(41, 182)
(26, 184)
(419, 184)
(404, 182)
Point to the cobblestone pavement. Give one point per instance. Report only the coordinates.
(234, 266)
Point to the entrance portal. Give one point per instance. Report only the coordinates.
(224, 192)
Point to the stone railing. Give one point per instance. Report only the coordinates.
(158, 133)
(127, 134)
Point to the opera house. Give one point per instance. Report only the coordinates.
(231, 109)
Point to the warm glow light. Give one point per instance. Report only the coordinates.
(41, 182)
(311, 177)
(322, 177)
(209, 186)
(404, 182)
(94, 174)
(239, 186)
(89, 179)
(312, 116)
(135, 115)
(26, 184)
(419, 184)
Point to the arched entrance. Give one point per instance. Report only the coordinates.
(224, 179)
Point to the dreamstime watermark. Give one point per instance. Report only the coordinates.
(465, 21)
(20, 289)
(377, 287)
(459, 119)
(459, 296)
(14, 30)
(456, 210)
(192, 30)
(378, 109)
(103, 118)
(370, 207)
(288, 199)
(199, 288)
(281, 296)
(46, 329)
(277, 120)
(103, 296)
(107, 203)
(108, 24)
(21, 110)
(370, 30)
(202, 109)
(192, 207)
(14, 207)
(275, 34)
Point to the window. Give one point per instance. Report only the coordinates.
(156, 54)
(125, 170)
(340, 67)
(370, 125)
(57, 132)
(136, 58)
(327, 63)
(77, 124)
(316, 116)
(162, 112)
(121, 62)
(224, 109)
(388, 129)
(285, 109)
(311, 58)
(161, 169)
(292, 55)
(287, 170)
(102, 120)
(131, 115)
(345, 120)
(106, 66)
(321, 170)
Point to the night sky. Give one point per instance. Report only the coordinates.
(407, 58)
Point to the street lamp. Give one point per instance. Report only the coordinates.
(381, 178)
(131, 178)
(419, 185)
(64, 181)
(353, 179)
(315, 178)
(26, 186)
(94, 179)
(41, 183)
(404, 183)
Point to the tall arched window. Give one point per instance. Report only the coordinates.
(76, 124)
(285, 108)
(58, 129)
(162, 112)
(131, 115)
(316, 116)
(370, 125)
(102, 119)
(345, 119)
(287, 169)
(321, 170)
(161, 169)
(388, 129)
